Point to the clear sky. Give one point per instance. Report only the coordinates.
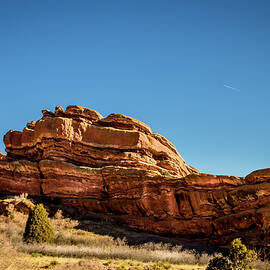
(195, 71)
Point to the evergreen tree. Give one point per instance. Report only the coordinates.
(38, 228)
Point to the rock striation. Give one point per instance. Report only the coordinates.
(82, 136)
(117, 168)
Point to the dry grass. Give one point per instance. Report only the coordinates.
(80, 249)
(117, 252)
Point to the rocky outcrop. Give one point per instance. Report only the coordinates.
(116, 167)
(16, 203)
(81, 136)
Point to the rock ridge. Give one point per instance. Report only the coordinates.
(117, 168)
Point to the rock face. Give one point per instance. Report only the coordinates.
(81, 136)
(116, 167)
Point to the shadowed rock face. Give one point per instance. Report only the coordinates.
(116, 167)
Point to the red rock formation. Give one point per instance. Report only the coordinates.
(116, 166)
(81, 136)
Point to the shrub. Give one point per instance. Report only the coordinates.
(55, 262)
(38, 228)
(36, 255)
(158, 266)
(219, 263)
(239, 258)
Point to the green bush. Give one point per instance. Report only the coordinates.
(38, 228)
(219, 263)
(158, 266)
(239, 258)
(36, 255)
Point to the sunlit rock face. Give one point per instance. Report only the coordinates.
(83, 137)
(117, 168)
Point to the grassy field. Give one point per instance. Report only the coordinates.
(76, 248)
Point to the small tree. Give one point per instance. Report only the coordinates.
(239, 258)
(38, 228)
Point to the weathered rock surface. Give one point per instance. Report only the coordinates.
(81, 136)
(118, 168)
(23, 205)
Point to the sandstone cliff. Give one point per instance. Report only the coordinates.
(118, 168)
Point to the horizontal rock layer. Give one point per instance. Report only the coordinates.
(118, 168)
(82, 136)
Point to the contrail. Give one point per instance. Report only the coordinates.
(230, 87)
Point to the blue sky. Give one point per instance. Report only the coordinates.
(195, 71)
